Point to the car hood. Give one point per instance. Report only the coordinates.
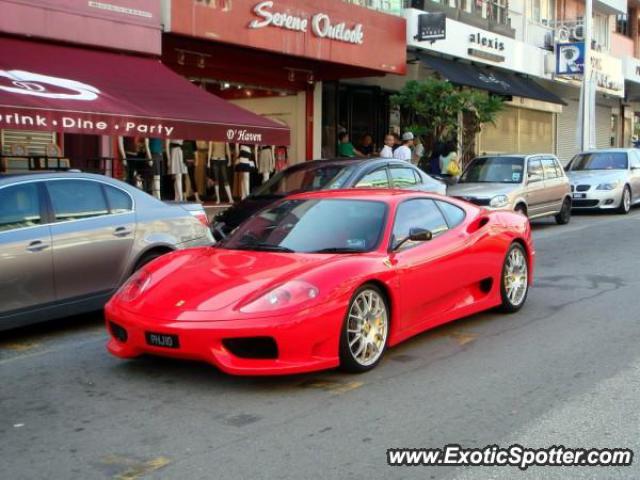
(214, 279)
(481, 190)
(595, 176)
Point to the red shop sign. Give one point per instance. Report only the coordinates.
(326, 30)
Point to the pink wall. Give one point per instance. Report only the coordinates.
(133, 25)
(570, 9)
(621, 46)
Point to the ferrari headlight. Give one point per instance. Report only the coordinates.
(135, 286)
(608, 186)
(290, 294)
(499, 201)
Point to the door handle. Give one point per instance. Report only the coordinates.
(37, 246)
(122, 232)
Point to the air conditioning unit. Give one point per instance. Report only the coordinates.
(577, 32)
(549, 41)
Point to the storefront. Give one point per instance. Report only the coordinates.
(479, 59)
(118, 25)
(609, 112)
(274, 57)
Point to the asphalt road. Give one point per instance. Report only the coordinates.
(564, 371)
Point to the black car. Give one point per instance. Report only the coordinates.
(327, 175)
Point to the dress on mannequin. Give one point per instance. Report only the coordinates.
(244, 167)
(189, 149)
(266, 162)
(177, 168)
(218, 153)
(282, 155)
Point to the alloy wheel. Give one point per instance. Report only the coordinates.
(516, 277)
(367, 327)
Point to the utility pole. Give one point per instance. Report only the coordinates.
(587, 96)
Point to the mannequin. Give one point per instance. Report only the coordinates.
(244, 166)
(266, 161)
(189, 148)
(177, 168)
(282, 157)
(131, 152)
(156, 149)
(219, 152)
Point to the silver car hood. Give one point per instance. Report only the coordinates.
(482, 190)
(590, 177)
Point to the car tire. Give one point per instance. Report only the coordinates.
(521, 209)
(625, 201)
(365, 330)
(564, 216)
(515, 267)
(146, 259)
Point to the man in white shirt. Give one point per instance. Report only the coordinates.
(403, 152)
(387, 150)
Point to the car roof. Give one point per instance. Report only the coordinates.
(9, 178)
(609, 150)
(519, 155)
(363, 194)
(359, 161)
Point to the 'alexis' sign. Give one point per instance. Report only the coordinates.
(320, 23)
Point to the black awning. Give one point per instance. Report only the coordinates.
(490, 79)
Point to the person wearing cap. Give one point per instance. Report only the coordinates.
(403, 152)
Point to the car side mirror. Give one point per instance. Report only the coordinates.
(415, 235)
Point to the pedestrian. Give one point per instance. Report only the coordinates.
(396, 141)
(418, 152)
(434, 161)
(389, 143)
(366, 146)
(403, 152)
(449, 163)
(346, 148)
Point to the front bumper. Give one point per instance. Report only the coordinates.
(597, 199)
(306, 341)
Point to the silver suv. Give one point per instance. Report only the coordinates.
(68, 240)
(535, 185)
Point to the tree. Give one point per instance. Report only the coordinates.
(431, 109)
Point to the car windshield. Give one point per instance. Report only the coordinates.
(313, 226)
(599, 161)
(494, 170)
(316, 177)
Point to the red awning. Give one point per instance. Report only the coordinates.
(75, 90)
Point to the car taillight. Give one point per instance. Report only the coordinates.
(202, 218)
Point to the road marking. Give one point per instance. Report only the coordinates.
(461, 337)
(134, 467)
(332, 386)
(19, 346)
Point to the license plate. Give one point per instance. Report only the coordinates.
(579, 195)
(162, 340)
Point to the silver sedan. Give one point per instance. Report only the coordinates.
(69, 240)
(605, 179)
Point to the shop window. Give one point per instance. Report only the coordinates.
(20, 207)
(76, 199)
(541, 11)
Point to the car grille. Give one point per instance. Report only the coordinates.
(483, 202)
(585, 203)
(583, 188)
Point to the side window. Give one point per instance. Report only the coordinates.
(402, 177)
(119, 201)
(375, 179)
(549, 168)
(454, 215)
(20, 207)
(420, 213)
(535, 169)
(76, 199)
(634, 159)
(559, 169)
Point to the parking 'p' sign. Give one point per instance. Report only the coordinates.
(570, 58)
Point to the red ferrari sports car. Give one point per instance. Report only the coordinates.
(324, 279)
